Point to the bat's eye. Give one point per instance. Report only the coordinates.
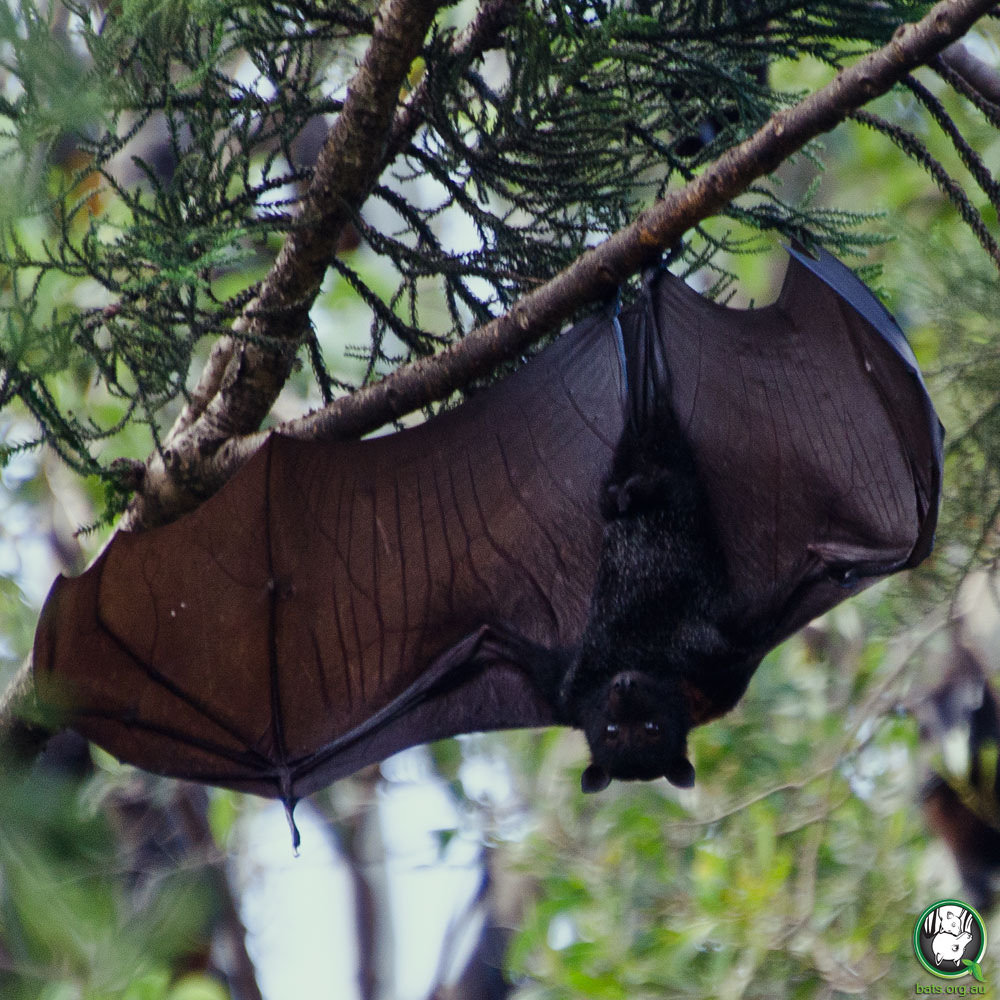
(611, 729)
(652, 728)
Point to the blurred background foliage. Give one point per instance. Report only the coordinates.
(798, 864)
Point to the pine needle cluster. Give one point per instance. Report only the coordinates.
(154, 153)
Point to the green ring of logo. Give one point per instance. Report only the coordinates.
(958, 973)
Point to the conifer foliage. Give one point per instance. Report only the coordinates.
(161, 151)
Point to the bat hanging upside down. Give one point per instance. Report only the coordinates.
(611, 538)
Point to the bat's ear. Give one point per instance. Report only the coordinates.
(680, 773)
(594, 779)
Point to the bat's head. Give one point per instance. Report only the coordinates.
(637, 730)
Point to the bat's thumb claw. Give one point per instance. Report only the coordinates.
(289, 805)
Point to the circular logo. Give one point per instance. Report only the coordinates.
(950, 939)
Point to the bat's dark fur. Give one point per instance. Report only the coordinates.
(661, 617)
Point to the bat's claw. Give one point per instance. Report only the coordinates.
(289, 805)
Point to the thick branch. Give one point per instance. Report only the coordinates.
(598, 273)
(984, 79)
(243, 377)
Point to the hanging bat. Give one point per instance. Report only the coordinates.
(611, 538)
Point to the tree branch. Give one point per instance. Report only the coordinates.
(599, 272)
(982, 78)
(22, 735)
(481, 35)
(244, 376)
(191, 804)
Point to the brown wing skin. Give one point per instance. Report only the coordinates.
(289, 630)
(336, 602)
(814, 437)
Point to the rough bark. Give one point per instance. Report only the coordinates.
(245, 374)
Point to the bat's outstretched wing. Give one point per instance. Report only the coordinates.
(336, 602)
(815, 439)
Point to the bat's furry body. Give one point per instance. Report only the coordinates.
(663, 616)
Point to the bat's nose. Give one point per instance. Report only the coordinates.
(625, 681)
